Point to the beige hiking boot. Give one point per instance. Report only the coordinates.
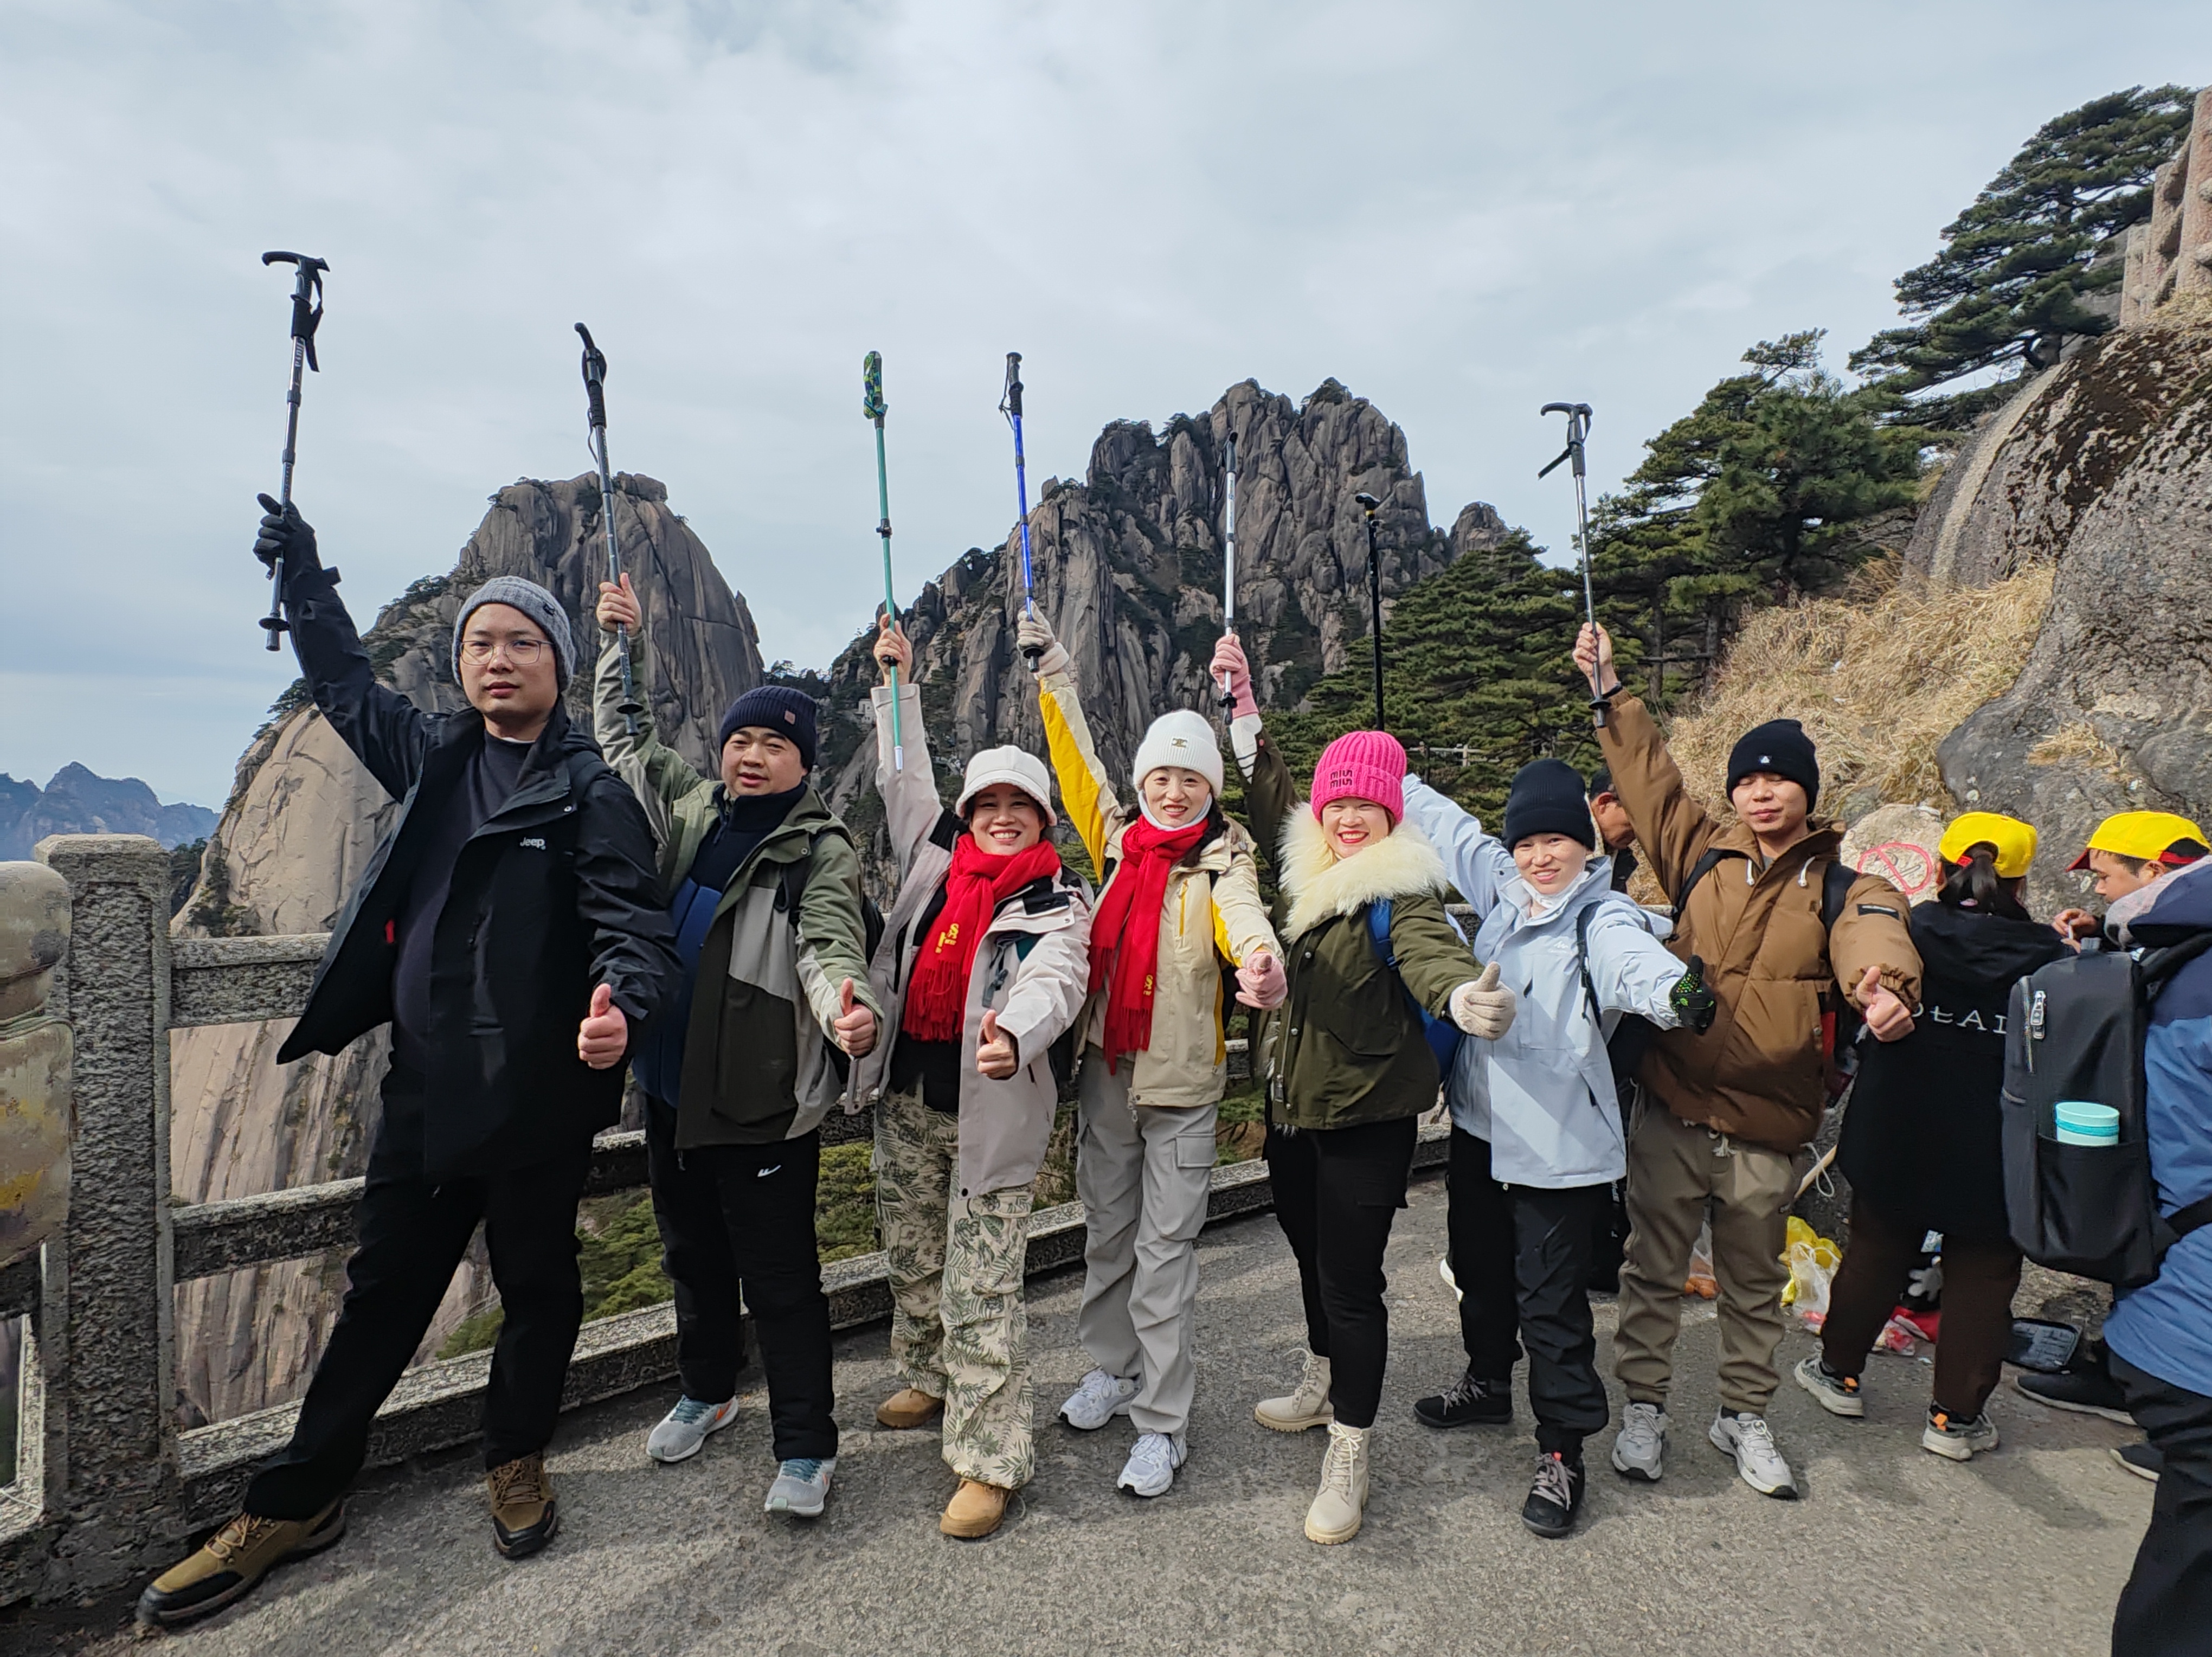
(232, 1562)
(1306, 1405)
(908, 1407)
(524, 1517)
(1334, 1515)
(977, 1509)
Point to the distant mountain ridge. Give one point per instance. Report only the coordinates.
(78, 801)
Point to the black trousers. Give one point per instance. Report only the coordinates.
(1337, 1190)
(413, 1234)
(1979, 1280)
(738, 1218)
(1521, 1257)
(2167, 1605)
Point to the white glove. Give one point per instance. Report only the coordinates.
(1481, 1008)
(1035, 633)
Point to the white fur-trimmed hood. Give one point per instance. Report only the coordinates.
(1321, 885)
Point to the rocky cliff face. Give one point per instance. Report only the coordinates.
(77, 801)
(301, 821)
(2102, 467)
(1127, 565)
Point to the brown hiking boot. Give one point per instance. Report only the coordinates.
(908, 1407)
(232, 1562)
(523, 1515)
(977, 1509)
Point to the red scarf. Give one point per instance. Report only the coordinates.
(1125, 932)
(978, 882)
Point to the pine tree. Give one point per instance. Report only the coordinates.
(2007, 289)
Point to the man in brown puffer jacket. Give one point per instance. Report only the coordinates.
(1723, 1116)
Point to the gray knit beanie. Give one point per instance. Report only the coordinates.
(535, 603)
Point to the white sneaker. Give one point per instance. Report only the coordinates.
(1751, 1442)
(1338, 1505)
(684, 1428)
(1306, 1405)
(1959, 1441)
(801, 1486)
(1639, 1449)
(1151, 1466)
(1100, 1399)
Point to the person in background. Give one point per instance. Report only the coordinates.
(984, 965)
(1722, 1117)
(765, 899)
(1180, 894)
(510, 930)
(1922, 1143)
(1346, 1060)
(1536, 1138)
(1616, 834)
(2127, 855)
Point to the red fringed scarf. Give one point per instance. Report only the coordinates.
(978, 882)
(1125, 933)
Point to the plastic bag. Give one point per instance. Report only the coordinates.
(1812, 1259)
(1701, 1282)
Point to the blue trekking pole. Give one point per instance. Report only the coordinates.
(1011, 406)
(871, 405)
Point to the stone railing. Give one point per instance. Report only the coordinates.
(107, 1484)
(2170, 253)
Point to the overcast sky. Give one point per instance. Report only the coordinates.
(1460, 210)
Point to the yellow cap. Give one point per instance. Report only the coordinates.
(2013, 839)
(2139, 834)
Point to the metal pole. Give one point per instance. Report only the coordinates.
(1229, 578)
(872, 406)
(306, 316)
(595, 380)
(1368, 504)
(1011, 406)
(1578, 423)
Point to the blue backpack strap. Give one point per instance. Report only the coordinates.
(1379, 931)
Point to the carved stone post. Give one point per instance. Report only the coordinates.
(116, 1489)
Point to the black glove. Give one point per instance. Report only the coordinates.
(285, 534)
(1693, 1003)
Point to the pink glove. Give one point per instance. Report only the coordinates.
(1229, 659)
(1261, 982)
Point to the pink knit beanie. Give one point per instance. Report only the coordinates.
(1362, 765)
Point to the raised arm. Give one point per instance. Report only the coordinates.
(660, 776)
(386, 731)
(1478, 864)
(912, 809)
(1086, 790)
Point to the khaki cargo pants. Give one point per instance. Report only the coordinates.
(1673, 1167)
(959, 1328)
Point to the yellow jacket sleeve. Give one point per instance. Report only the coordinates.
(1085, 788)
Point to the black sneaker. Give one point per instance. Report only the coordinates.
(1555, 1497)
(2142, 1458)
(1468, 1402)
(2084, 1391)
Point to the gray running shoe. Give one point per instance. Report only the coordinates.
(1955, 1439)
(1758, 1459)
(801, 1486)
(683, 1429)
(1837, 1394)
(1639, 1449)
(1151, 1466)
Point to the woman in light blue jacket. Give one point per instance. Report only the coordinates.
(1537, 1139)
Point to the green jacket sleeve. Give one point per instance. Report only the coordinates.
(659, 777)
(1270, 795)
(832, 935)
(1433, 960)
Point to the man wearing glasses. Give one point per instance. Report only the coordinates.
(510, 930)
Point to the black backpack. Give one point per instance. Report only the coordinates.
(2075, 1030)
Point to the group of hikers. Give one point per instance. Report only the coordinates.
(551, 907)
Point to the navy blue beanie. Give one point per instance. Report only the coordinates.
(777, 708)
(1547, 798)
(1781, 748)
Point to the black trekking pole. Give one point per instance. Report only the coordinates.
(595, 397)
(306, 316)
(1367, 504)
(1578, 424)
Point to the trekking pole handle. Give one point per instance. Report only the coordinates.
(595, 380)
(307, 308)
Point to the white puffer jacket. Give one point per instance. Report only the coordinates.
(1542, 1094)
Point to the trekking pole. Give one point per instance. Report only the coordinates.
(1011, 406)
(1578, 423)
(1367, 504)
(306, 316)
(1229, 580)
(595, 400)
(871, 405)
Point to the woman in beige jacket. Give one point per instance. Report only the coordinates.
(1179, 896)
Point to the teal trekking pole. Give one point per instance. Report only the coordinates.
(871, 405)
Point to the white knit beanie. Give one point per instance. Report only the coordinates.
(1008, 765)
(1182, 739)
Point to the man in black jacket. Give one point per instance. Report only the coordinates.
(510, 929)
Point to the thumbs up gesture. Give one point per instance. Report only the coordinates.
(604, 1036)
(1886, 1017)
(997, 1055)
(1482, 1007)
(854, 1025)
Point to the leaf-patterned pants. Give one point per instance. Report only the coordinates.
(959, 1328)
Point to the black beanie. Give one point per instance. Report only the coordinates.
(776, 708)
(1547, 798)
(1780, 746)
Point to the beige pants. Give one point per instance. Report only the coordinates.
(959, 1328)
(1673, 1169)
